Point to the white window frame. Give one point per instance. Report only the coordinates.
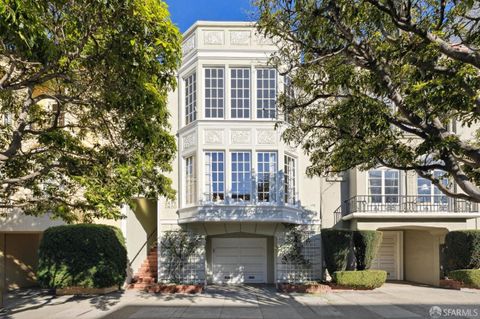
(263, 93)
(190, 179)
(434, 192)
(214, 92)
(209, 171)
(243, 172)
(190, 96)
(271, 175)
(383, 195)
(236, 91)
(290, 178)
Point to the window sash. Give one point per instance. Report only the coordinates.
(214, 175)
(384, 186)
(427, 192)
(190, 180)
(240, 93)
(289, 180)
(266, 172)
(214, 92)
(266, 93)
(241, 176)
(190, 98)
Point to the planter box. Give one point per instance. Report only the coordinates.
(171, 289)
(450, 284)
(84, 291)
(304, 288)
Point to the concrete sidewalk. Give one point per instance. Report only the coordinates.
(253, 302)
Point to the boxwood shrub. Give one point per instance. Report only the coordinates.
(360, 279)
(462, 250)
(83, 255)
(366, 244)
(469, 277)
(337, 244)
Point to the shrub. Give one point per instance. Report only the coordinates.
(462, 250)
(84, 255)
(336, 244)
(469, 277)
(366, 244)
(360, 279)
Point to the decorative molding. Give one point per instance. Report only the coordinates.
(262, 40)
(213, 136)
(240, 37)
(241, 137)
(188, 45)
(213, 37)
(189, 141)
(266, 137)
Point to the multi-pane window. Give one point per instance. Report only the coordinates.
(240, 92)
(429, 193)
(384, 185)
(214, 175)
(190, 98)
(241, 176)
(266, 93)
(190, 180)
(214, 92)
(289, 180)
(266, 172)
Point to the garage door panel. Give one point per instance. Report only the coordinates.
(388, 257)
(238, 260)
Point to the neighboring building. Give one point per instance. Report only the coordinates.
(241, 187)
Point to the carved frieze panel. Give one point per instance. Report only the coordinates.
(265, 137)
(213, 38)
(188, 45)
(240, 37)
(189, 141)
(241, 137)
(214, 136)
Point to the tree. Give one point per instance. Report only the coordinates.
(83, 92)
(379, 82)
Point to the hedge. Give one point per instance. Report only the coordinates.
(337, 244)
(83, 255)
(360, 279)
(469, 277)
(462, 250)
(366, 244)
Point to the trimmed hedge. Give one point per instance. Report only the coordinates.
(366, 244)
(337, 244)
(469, 277)
(360, 279)
(462, 250)
(83, 255)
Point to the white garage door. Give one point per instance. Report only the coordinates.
(389, 256)
(239, 260)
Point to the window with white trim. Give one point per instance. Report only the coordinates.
(214, 175)
(289, 179)
(266, 172)
(240, 93)
(190, 180)
(266, 93)
(241, 176)
(190, 98)
(384, 185)
(214, 92)
(427, 192)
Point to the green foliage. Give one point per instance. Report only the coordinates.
(360, 279)
(85, 83)
(177, 248)
(469, 277)
(84, 255)
(366, 244)
(337, 244)
(462, 250)
(292, 248)
(378, 83)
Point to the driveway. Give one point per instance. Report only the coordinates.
(393, 300)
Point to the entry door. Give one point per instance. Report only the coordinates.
(239, 260)
(389, 256)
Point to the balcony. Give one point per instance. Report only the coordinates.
(406, 205)
(254, 210)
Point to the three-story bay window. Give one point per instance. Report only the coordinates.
(214, 92)
(266, 173)
(190, 180)
(241, 176)
(240, 93)
(266, 93)
(215, 175)
(289, 180)
(190, 98)
(384, 186)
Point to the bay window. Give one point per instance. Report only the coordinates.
(190, 180)
(266, 172)
(266, 93)
(190, 98)
(241, 176)
(240, 93)
(289, 180)
(214, 92)
(215, 175)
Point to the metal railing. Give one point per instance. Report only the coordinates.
(405, 204)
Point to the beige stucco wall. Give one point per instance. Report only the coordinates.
(422, 256)
(19, 259)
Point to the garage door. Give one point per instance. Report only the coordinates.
(239, 260)
(389, 256)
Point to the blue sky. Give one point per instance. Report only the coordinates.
(186, 12)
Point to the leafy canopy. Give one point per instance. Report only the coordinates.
(378, 82)
(83, 92)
